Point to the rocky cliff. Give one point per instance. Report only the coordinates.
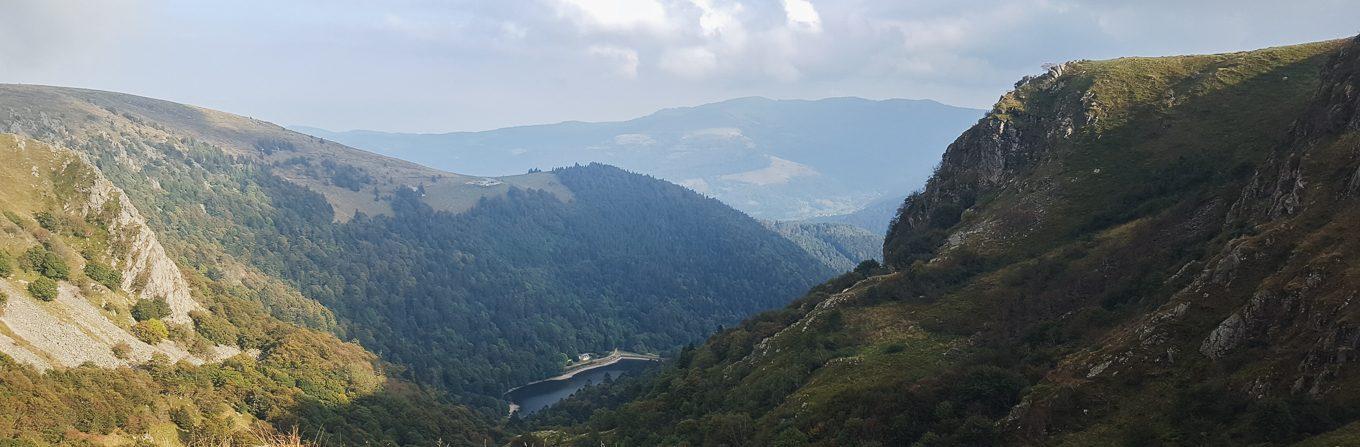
(1140, 251)
(84, 219)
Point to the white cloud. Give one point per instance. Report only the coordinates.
(616, 15)
(720, 22)
(624, 60)
(801, 15)
(690, 63)
(433, 65)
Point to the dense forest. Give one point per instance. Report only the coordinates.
(501, 294)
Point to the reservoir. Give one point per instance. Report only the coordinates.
(542, 394)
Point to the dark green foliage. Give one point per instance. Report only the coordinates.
(346, 176)
(6, 265)
(150, 309)
(43, 288)
(484, 300)
(47, 220)
(46, 263)
(869, 267)
(104, 274)
(271, 145)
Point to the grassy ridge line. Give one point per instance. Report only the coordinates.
(1061, 220)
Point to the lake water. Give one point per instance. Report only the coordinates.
(535, 397)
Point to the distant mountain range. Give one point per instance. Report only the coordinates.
(773, 159)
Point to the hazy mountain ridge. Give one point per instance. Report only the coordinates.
(351, 180)
(1136, 251)
(773, 159)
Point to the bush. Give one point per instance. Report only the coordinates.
(43, 288)
(46, 263)
(104, 274)
(151, 331)
(150, 309)
(48, 221)
(214, 328)
(6, 266)
(122, 350)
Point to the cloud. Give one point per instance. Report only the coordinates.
(802, 15)
(430, 65)
(690, 63)
(35, 34)
(720, 22)
(624, 60)
(616, 15)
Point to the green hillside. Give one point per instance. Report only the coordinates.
(471, 285)
(82, 364)
(1140, 251)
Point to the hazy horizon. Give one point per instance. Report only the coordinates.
(461, 65)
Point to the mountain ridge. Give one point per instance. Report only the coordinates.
(773, 159)
(1137, 251)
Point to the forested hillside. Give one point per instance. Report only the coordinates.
(472, 285)
(1140, 251)
(104, 341)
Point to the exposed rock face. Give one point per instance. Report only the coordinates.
(147, 271)
(78, 326)
(1007, 143)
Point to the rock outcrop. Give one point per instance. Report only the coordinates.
(146, 269)
(80, 325)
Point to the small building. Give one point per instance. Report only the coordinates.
(584, 357)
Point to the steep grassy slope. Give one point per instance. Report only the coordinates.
(123, 346)
(773, 159)
(1142, 251)
(475, 285)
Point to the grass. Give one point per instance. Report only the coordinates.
(1074, 253)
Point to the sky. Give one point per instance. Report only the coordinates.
(453, 65)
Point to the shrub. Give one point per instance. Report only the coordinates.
(151, 331)
(214, 328)
(104, 274)
(121, 350)
(6, 266)
(43, 288)
(48, 221)
(154, 309)
(46, 263)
